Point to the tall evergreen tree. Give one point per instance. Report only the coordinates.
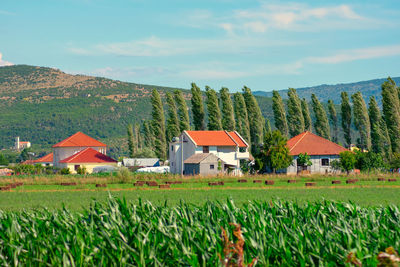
(295, 114)
(345, 109)
(228, 119)
(183, 114)
(241, 117)
(306, 115)
(333, 119)
(256, 120)
(268, 128)
(321, 124)
(138, 137)
(148, 135)
(131, 141)
(158, 125)
(377, 136)
(172, 120)
(279, 113)
(197, 108)
(361, 120)
(387, 145)
(214, 113)
(391, 112)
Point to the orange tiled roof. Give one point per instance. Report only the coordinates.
(238, 139)
(312, 144)
(47, 158)
(79, 139)
(88, 155)
(213, 138)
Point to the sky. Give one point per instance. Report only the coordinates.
(265, 45)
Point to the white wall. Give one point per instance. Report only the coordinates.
(60, 153)
(316, 166)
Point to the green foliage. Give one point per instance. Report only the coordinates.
(184, 123)
(158, 125)
(124, 175)
(241, 117)
(369, 161)
(256, 120)
(3, 160)
(347, 160)
(279, 113)
(361, 120)
(173, 126)
(333, 119)
(306, 115)
(391, 112)
(304, 159)
(321, 124)
(144, 153)
(275, 153)
(197, 108)
(379, 135)
(213, 110)
(346, 118)
(228, 118)
(149, 140)
(131, 141)
(395, 161)
(335, 164)
(65, 171)
(295, 115)
(81, 170)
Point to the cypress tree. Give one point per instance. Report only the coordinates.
(361, 120)
(228, 119)
(333, 119)
(131, 141)
(306, 115)
(268, 128)
(184, 123)
(242, 121)
(295, 114)
(197, 108)
(387, 145)
(138, 137)
(345, 109)
(256, 120)
(214, 113)
(279, 113)
(148, 135)
(377, 138)
(391, 112)
(172, 120)
(158, 125)
(321, 124)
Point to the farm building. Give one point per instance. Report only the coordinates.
(203, 163)
(321, 151)
(46, 160)
(20, 145)
(141, 162)
(229, 147)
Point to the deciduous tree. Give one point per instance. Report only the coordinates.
(172, 120)
(197, 108)
(321, 124)
(361, 120)
(241, 117)
(306, 115)
(275, 152)
(295, 114)
(256, 120)
(333, 119)
(345, 109)
(214, 113)
(158, 125)
(183, 114)
(391, 112)
(228, 118)
(279, 113)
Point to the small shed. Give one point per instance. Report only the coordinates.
(141, 162)
(204, 164)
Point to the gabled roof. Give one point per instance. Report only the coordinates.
(216, 138)
(88, 155)
(312, 144)
(81, 140)
(46, 158)
(147, 162)
(199, 157)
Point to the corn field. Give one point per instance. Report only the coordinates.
(276, 233)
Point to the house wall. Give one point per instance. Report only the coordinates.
(192, 169)
(60, 153)
(89, 166)
(316, 166)
(175, 157)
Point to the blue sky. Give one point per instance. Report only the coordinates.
(265, 45)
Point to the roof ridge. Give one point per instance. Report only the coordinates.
(231, 137)
(327, 140)
(304, 134)
(76, 154)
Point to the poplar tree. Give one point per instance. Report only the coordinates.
(268, 128)
(333, 119)
(197, 108)
(241, 117)
(321, 124)
(172, 120)
(361, 120)
(295, 114)
(387, 145)
(377, 135)
(279, 113)
(228, 119)
(214, 113)
(306, 115)
(391, 112)
(138, 137)
(345, 109)
(131, 141)
(158, 125)
(182, 109)
(256, 120)
(148, 135)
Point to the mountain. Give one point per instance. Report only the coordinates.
(325, 92)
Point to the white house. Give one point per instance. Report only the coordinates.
(230, 147)
(321, 151)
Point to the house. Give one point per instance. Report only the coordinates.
(229, 147)
(46, 160)
(141, 162)
(20, 145)
(203, 163)
(321, 151)
(81, 150)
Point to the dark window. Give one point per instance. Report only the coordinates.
(76, 167)
(172, 148)
(206, 149)
(242, 149)
(325, 162)
(211, 166)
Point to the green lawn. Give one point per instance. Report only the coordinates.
(78, 200)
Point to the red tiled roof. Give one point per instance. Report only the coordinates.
(238, 139)
(313, 145)
(47, 158)
(88, 155)
(213, 138)
(79, 139)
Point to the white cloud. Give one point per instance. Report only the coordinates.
(3, 62)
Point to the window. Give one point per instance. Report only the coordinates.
(206, 149)
(325, 162)
(211, 166)
(172, 148)
(76, 167)
(242, 149)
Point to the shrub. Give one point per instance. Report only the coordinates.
(81, 170)
(65, 171)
